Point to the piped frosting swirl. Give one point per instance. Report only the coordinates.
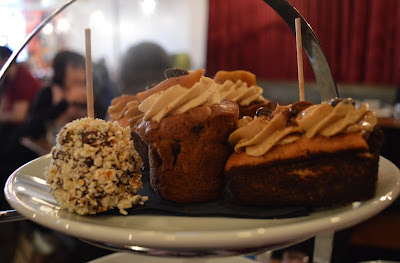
(240, 92)
(124, 109)
(178, 99)
(259, 135)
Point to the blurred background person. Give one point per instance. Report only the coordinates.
(63, 101)
(104, 88)
(143, 64)
(17, 91)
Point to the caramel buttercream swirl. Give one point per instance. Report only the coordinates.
(125, 107)
(325, 120)
(240, 92)
(178, 99)
(258, 136)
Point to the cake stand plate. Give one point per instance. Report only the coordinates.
(28, 193)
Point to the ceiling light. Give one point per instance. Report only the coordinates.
(148, 6)
(62, 25)
(48, 29)
(96, 18)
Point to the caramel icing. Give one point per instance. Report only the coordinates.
(186, 81)
(125, 108)
(178, 99)
(262, 133)
(328, 121)
(240, 92)
(221, 76)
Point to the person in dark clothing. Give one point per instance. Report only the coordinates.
(142, 65)
(104, 89)
(61, 102)
(17, 91)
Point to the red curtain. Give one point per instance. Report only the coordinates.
(361, 39)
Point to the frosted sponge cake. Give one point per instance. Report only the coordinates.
(305, 154)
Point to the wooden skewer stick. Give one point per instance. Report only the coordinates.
(299, 47)
(89, 74)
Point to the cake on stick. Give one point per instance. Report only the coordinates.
(94, 166)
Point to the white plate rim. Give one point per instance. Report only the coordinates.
(131, 257)
(215, 239)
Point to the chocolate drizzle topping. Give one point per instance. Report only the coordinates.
(175, 72)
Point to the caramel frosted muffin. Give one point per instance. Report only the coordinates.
(187, 127)
(124, 110)
(240, 86)
(305, 154)
(94, 168)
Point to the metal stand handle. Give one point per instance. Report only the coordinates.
(15, 54)
(323, 245)
(10, 216)
(311, 46)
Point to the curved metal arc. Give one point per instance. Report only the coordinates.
(15, 54)
(288, 13)
(190, 253)
(311, 46)
(10, 216)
